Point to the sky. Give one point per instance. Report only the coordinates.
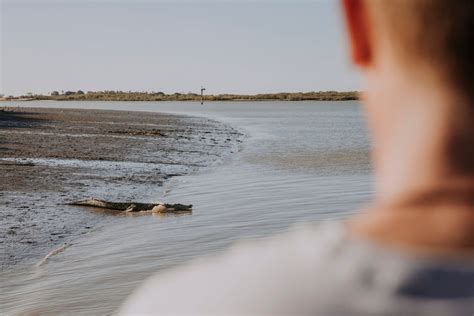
(238, 46)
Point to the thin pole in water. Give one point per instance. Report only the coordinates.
(202, 95)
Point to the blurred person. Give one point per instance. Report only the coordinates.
(411, 252)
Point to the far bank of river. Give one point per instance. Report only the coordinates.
(183, 97)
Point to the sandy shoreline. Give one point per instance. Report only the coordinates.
(52, 156)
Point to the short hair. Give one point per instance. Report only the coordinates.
(440, 32)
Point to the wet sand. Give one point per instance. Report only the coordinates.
(49, 157)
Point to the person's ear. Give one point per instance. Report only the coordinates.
(358, 27)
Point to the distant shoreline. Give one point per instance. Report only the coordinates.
(160, 96)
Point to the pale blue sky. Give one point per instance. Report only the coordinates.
(173, 46)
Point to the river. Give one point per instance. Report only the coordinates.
(300, 162)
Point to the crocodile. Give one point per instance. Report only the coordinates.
(132, 207)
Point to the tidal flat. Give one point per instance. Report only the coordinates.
(50, 157)
(300, 162)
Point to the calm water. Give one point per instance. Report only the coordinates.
(301, 162)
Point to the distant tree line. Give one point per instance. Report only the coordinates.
(109, 95)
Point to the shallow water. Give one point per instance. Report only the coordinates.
(301, 162)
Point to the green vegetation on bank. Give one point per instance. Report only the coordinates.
(160, 96)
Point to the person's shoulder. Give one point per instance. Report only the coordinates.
(310, 241)
(276, 272)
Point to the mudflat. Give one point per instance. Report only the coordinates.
(49, 157)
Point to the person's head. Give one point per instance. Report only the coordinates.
(415, 57)
(433, 36)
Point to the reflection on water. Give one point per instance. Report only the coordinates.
(302, 162)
